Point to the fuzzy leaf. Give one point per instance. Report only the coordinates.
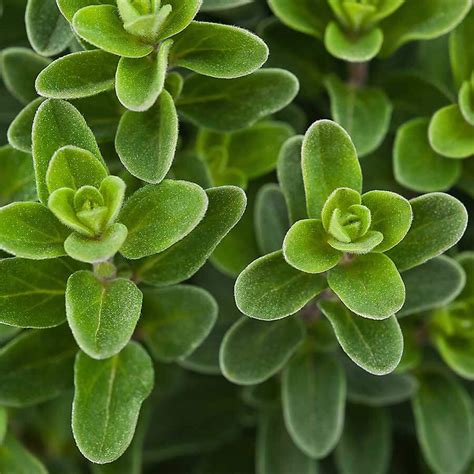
(369, 285)
(233, 104)
(313, 395)
(32, 293)
(181, 15)
(462, 56)
(36, 366)
(107, 400)
(48, 32)
(183, 259)
(253, 351)
(220, 51)
(445, 436)
(439, 221)
(58, 123)
(15, 458)
(77, 75)
(146, 142)
(376, 346)
(329, 161)
(30, 230)
(70, 7)
(158, 216)
(177, 320)
(270, 289)
(102, 315)
(102, 26)
(19, 131)
(364, 113)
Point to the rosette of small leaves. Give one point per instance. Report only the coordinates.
(359, 30)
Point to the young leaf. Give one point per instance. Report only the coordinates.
(364, 113)
(30, 230)
(220, 51)
(233, 104)
(276, 452)
(102, 315)
(313, 395)
(19, 131)
(329, 161)
(32, 293)
(70, 7)
(102, 26)
(20, 66)
(445, 436)
(140, 81)
(158, 216)
(181, 15)
(439, 221)
(36, 366)
(376, 346)
(270, 289)
(369, 285)
(306, 248)
(183, 259)
(416, 165)
(77, 75)
(177, 320)
(107, 400)
(63, 125)
(253, 351)
(48, 32)
(146, 142)
(15, 458)
(366, 443)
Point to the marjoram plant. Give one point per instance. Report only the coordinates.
(234, 236)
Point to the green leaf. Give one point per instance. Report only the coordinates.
(457, 352)
(307, 16)
(421, 20)
(36, 366)
(177, 320)
(212, 5)
(19, 131)
(253, 351)
(70, 7)
(107, 400)
(391, 216)
(369, 285)
(329, 161)
(271, 218)
(30, 230)
(445, 436)
(439, 221)
(232, 104)
(181, 15)
(466, 103)
(270, 289)
(276, 452)
(449, 133)
(140, 81)
(32, 293)
(376, 391)
(306, 248)
(434, 284)
(158, 216)
(416, 165)
(77, 75)
(3, 424)
(361, 48)
(102, 26)
(183, 259)
(94, 250)
(72, 167)
(313, 395)
(14, 458)
(48, 32)
(20, 66)
(364, 113)
(220, 51)
(58, 123)
(146, 142)
(102, 315)
(365, 446)
(376, 346)
(290, 178)
(17, 176)
(461, 55)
